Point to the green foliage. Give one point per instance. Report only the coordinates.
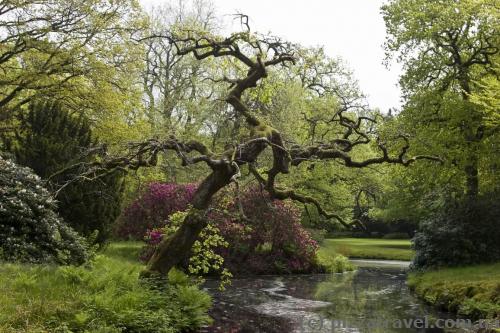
(204, 258)
(487, 97)
(390, 249)
(334, 263)
(441, 42)
(460, 233)
(396, 235)
(51, 139)
(472, 291)
(88, 60)
(318, 235)
(450, 58)
(447, 49)
(107, 297)
(90, 206)
(30, 229)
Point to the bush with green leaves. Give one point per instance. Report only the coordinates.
(30, 229)
(204, 258)
(335, 263)
(460, 233)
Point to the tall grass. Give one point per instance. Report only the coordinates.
(106, 297)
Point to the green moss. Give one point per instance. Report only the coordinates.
(367, 248)
(472, 291)
(108, 297)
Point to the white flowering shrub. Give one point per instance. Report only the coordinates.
(30, 230)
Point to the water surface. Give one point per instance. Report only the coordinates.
(374, 298)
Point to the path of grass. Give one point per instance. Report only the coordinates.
(473, 291)
(367, 248)
(108, 297)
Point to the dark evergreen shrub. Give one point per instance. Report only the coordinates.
(30, 229)
(49, 140)
(461, 233)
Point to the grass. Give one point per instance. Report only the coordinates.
(107, 297)
(472, 291)
(334, 263)
(367, 248)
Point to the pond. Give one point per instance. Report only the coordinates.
(374, 298)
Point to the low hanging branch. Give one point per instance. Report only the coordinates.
(256, 54)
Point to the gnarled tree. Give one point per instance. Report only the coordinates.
(252, 56)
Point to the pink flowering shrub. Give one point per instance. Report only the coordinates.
(151, 210)
(152, 238)
(267, 239)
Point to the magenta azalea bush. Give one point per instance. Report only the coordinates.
(151, 210)
(268, 238)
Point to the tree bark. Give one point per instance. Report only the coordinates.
(173, 250)
(472, 176)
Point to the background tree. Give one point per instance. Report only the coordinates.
(449, 50)
(80, 53)
(445, 47)
(173, 83)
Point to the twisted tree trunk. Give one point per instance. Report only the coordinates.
(174, 250)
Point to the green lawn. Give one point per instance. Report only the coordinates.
(106, 297)
(390, 249)
(473, 291)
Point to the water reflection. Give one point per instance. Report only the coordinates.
(372, 299)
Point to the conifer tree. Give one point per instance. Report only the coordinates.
(48, 140)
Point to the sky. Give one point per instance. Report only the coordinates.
(351, 29)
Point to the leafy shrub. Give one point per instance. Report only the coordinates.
(49, 140)
(472, 291)
(335, 263)
(203, 258)
(105, 297)
(461, 233)
(267, 239)
(152, 208)
(30, 230)
(396, 235)
(318, 235)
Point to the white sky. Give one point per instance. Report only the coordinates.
(352, 29)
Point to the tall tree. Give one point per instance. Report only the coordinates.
(446, 46)
(172, 82)
(68, 50)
